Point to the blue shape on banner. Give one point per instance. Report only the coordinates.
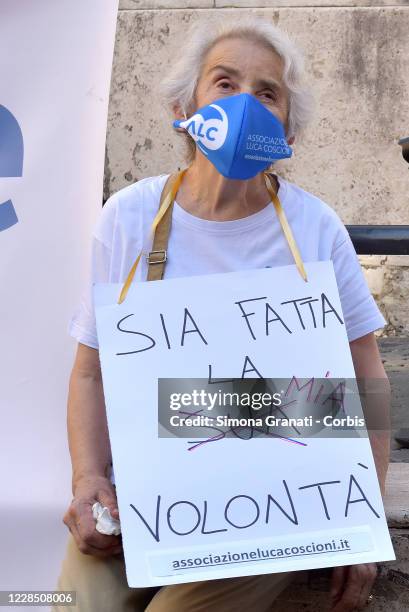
(8, 215)
(11, 160)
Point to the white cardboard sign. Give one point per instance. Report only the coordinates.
(232, 507)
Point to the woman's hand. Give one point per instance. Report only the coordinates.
(81, 523)
(351, 586)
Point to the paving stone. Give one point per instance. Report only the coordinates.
(400, 455)
(402, 437)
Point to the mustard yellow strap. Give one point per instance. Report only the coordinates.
(166, 203)
(286, 228)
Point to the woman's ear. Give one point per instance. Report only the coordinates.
(178, 112)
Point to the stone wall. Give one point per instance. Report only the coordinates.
(356, 59)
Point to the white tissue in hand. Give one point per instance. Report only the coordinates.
(105, 523)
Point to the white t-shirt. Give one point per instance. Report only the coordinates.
(199, 246)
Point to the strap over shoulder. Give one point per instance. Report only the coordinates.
(156, 258)
(285, 226)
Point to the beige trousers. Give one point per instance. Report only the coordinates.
(101, 586)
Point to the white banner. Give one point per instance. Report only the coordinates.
(213, 506)
(55, 68)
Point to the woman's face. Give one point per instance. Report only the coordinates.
(237, 65)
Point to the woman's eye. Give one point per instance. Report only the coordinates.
(224, 84)
(269, 95)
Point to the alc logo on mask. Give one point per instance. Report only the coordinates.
(210, 132)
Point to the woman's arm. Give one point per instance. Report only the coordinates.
(90, 456)
(376, 393)
(86, 418)
(351, 585)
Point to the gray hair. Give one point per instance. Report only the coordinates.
(179, 86)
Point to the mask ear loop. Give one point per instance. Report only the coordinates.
(185, 119)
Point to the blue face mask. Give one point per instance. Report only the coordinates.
(238, 135)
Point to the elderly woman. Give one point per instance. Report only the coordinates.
(223, 220)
